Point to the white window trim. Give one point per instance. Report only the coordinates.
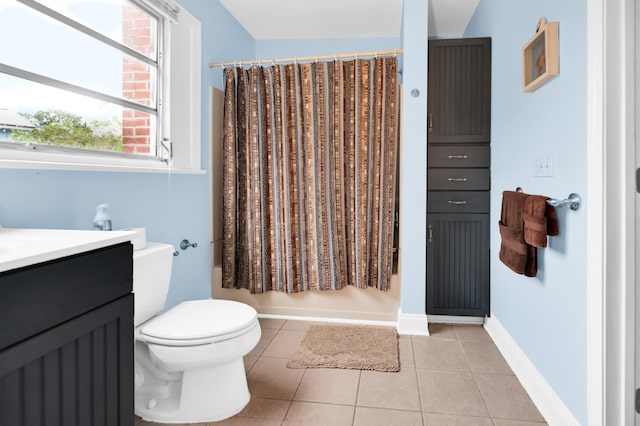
(184, 100)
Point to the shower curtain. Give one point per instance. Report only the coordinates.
(310, 153)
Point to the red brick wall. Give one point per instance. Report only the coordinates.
(136, 81)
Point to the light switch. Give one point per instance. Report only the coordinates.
(543, 166)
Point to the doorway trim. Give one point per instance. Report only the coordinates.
(610, 211)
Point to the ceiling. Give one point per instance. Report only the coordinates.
(320, 19)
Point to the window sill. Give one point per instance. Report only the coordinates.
(37, 161)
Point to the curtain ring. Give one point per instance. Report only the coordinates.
(316, 59)
(356, 56)
(273, 62)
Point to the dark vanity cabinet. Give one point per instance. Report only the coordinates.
(66, 341)
(458, 177)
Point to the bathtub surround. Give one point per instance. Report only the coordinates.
(309, 175)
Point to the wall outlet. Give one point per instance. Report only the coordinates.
(543, 166)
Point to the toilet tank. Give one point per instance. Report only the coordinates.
(151, 276)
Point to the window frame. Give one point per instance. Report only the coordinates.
(187, 160)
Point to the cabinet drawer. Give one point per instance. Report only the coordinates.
(458, 179)
(458, 202)
(458, 156)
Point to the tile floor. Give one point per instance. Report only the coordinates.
(455, 377)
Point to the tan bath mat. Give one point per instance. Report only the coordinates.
(348, 346)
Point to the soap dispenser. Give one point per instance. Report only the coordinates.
(102, 220)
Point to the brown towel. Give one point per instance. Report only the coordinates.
(515, 253)
(540, 220)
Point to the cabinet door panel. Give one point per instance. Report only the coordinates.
(458, 179)
(459, 101)
(458, 264)
(77, 373)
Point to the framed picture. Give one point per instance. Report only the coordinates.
(540, 56)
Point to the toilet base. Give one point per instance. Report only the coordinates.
(198, 397)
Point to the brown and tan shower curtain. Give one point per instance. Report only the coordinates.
(310, 153)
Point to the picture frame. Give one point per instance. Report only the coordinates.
(540, 61)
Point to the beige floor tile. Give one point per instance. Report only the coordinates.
(263, 408)
(503, 422)
(265, 338)
(270, 378)
(249, 360)
(389, 390)
(329, 385)
(431, 419)
(314, 414)
(405, 349)
(471, 332)
(299, 325)
(366, 416)
(438, 354)
(246, 421)
(442, 331)
(484, 357)
(284, 344)
(271, 323)
(450, 392)
(506, 398)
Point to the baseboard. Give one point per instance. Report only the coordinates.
(453, 319)
(331, 320)
(413, 324)
(542, 394)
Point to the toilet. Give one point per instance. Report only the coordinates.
(188, 360)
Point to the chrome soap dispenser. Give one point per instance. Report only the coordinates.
(102, 221)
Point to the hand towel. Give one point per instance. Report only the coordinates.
(540, 220)
(515, 253)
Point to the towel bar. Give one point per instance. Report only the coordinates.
(573, 201)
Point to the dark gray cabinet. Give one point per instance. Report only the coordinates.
(459, 104)
(66, 341)
(458, 177)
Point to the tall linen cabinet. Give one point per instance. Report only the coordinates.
(458, 177)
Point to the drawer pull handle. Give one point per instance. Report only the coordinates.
(457, 179)
(457, 202)
(458, 157)
(430, 237)
(430, 122)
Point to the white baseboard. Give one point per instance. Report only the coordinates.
(330, 319)
(407, 324)
(413, 324)
(542, 394)
(454, 319)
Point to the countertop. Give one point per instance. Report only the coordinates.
(25, 247)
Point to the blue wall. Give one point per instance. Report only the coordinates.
(171, 207)
(266, 49)
(413, 159)
(546, 315)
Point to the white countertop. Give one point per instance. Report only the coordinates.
(24, 247)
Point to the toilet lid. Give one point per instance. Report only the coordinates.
(201, 319)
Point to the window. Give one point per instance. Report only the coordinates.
(88, 80)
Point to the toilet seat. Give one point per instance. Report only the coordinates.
(200, 322)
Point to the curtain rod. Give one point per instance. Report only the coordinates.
(307, 58)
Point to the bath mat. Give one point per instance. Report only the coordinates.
(349, 347)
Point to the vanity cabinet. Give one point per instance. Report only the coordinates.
(66, 340)
(458, 177)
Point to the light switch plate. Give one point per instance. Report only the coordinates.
(543, 165)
